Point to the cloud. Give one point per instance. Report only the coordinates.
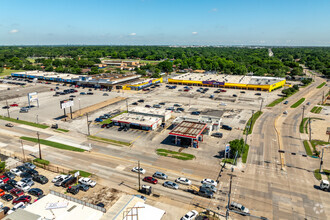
(194, 33)
(132, 34)
(214, 10)
(13, 31)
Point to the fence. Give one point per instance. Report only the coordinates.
(77, 201)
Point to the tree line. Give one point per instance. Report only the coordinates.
(227, 60)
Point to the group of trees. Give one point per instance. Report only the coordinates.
(228, 60)
(237, 146)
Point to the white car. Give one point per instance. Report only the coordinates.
(136, 170)
(190, 215)
(223, 104)
(56, 178)
(23, 186)
(285, 112)
(183, 180)
(16, 171)
(87, 181)
(209, 182)
(20, 205)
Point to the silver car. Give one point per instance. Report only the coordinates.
(209, 187)
(170, 184)
(160, 175)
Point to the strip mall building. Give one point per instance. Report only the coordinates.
(229, 81)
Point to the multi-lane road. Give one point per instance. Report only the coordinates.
(275, 190)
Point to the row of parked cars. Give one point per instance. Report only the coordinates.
(67, 181)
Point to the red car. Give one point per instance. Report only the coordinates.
(150, 179)
(104, 125)
(75, 90)
(25, 199)
(186, 90)
(14, 105)
(2, 192)
(222, 90)
(4, 178)
(16, 192)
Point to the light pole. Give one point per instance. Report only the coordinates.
(79, 107)
(7, 108)
(262, 100)
(39, 146)
(37, 120)
(23, 150)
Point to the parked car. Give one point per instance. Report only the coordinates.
(100, 204)
(180, 109)
(226, 127)
(22, 168)
(190, 215)
(29, 165)
(183, 180)
(258, 94)
(126, 128)
(242, 91)
(69, 182)
(210, 182)
(156, 106)
(73, 189)
(7, 197)
(83, 93)
(5, 210)
(141, 100)
(147, 106)
(16, 171)
(205, 193)
(12, 183)
(9, 125)
(239, 207)
(223, 104)
(196, 113)
(62, 179)
(4, 178)
(141, 197)
(5, 107)
(16, 192)
(217, 134)
(105, 94)
(26, 175)
(120, 128)
(177, 105)
(286, 102)
(171, 185)
(20, 205)
(57, 178)
(134, 103)
(14, 105)
(285, 112)
(24, 199)
(6, 187)
(137, 170)
(87, 181)
(83, 187)
(23, 186)
(36, 192)
(209, 187)
(2, 192)
(160, 175)
(150, 179)
(32, 172)
(40, 179)
(98, 120)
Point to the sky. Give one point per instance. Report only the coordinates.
(165, 22)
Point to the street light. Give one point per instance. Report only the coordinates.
(39, 146)
(79, 107)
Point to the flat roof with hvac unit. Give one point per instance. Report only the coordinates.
(138, 120)
(188, 129)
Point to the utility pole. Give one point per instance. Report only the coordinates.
(321, 162)
(227, 212)
(7, 108)
(139, 175)
(310, 129)
(39, 146)
(126, 105)
(322, 98)
(37, 120)
(88, 133)
(23, 150)
(303, 108)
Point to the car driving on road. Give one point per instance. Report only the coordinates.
(171, 185)
(137, 170)
(183, 181)
(150, 179)
(209, 182)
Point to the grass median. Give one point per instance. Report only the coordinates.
(302, 125)
(109, 140)
(277, 101)
(53, 144)
(81, 173)
(24, 122)
(63, 130)
(295, 105)
(321, 85)
(254, 119)
(174, 154)
(307, 148)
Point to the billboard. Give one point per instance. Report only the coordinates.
(33, 96)
(214, 82)
(66, 103)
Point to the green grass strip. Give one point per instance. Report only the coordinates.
(318, 142)
(228, 160)
(276, 101)
(108, 120)
(321, 85)
(174, 154)
(81, 173)
(302, 125)
(41, 161)
(318, 110)
(307, 148)
(24, 122)
(64, 130)
(295, 105)
(53, 144)
(110, 140)
(254, 119)
(245, 153)
(314, 109)
(317, 174)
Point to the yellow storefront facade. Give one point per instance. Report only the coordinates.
(143, 84)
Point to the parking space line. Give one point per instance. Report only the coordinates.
(135, 139)
(98, 131)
